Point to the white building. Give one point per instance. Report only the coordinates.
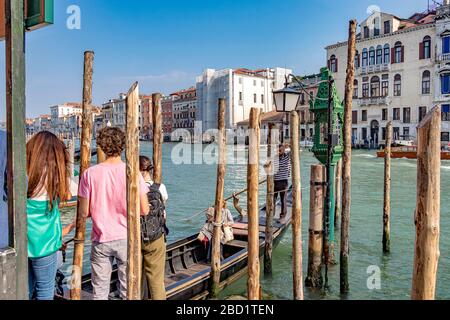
(60, 115)
(243, 89)
(394, 80)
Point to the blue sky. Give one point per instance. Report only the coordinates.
(166, 44)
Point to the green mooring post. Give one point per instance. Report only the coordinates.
(328, 147)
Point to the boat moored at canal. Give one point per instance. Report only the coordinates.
(188, 271)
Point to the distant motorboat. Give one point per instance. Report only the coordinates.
(404, 143)
(409, 152)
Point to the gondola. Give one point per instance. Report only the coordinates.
(187, 270)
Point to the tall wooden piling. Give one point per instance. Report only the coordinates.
(296, 208)
(85, 161)
(270, 207)
(253, 287)
(427, 215)
(71, 148)
(347, 159)
(338, 194)
(157, 137)
(315, 245)
(101, 157)
(221, 166)
(17, 259)
(133, 204)
(387, 191)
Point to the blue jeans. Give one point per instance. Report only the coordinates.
(41, 277)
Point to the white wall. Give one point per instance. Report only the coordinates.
(212, 85)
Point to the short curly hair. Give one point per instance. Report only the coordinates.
(112, 141)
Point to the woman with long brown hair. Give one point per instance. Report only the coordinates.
(48, 185)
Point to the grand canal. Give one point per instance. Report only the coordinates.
(191, 189)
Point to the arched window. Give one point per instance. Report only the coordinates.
(426, 82)
(387, 53)
(398, 52)
(357, 59)
(333, 64)
(365, 57)
(379, 55)
(397, 85)
(355, 89)
(372, 56)
(375, 86)
(425, 48)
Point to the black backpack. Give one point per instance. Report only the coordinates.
(153, 225)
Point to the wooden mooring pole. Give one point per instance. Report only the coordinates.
(315, 245)
(387, 191)
(220, 185)
(133, 205)
(101, 157)
(71, 148)
(272, 141)
(296, 208)
(85, 162)
(338, 194)
(253, 286)
(427, 215)
(347, 161)
(14, 263)
(157, 138)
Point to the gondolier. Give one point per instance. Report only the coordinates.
(282, 173)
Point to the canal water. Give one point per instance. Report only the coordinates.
(191, 189)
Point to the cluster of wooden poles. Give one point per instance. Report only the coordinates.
(427, 214)
(426, 218)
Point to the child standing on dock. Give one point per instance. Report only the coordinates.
(102, 197)
(48, 185)
(154, 248)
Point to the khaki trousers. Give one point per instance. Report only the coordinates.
(154, 266)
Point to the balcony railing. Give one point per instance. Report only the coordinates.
(444, 57)
(385, 67)
(443, 98)
(374, 101)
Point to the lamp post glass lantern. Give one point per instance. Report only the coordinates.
(286, 99)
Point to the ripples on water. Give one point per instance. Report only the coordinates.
(192, 188)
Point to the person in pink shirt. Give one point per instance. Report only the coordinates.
(102, 196)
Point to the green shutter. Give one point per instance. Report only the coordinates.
(35, 17)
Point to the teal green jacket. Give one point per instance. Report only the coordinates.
(44, 229)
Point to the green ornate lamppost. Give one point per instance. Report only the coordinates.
(328, 147)
(328, 144)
